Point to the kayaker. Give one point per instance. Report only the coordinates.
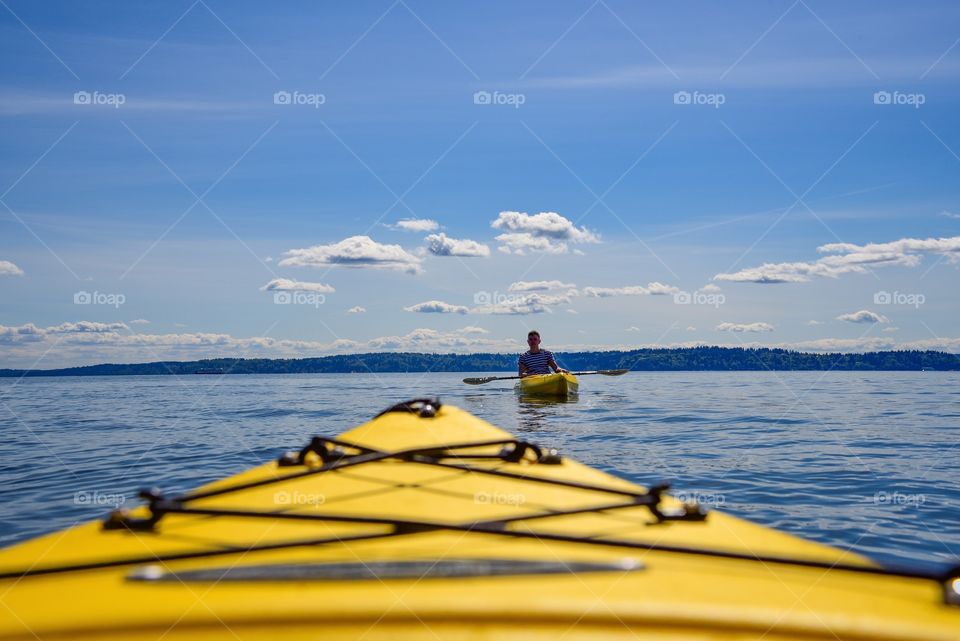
(536, 360)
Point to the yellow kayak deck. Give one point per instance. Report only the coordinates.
(558, 384)
(432, 523)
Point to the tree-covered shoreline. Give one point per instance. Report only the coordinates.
(649, 360)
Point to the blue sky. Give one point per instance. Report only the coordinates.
(628, 174)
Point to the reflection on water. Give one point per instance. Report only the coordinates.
(539, 414)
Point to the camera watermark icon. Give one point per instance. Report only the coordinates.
(97, 498)
(699, 298)
(296, 498)
(499, 498)
(899, 298)
(714, 100)
(99, 298)
(299, 98)
(899, 498)
(899, 98)
(99, 99)
(498, 298)
(299, 298)
(712, 499)
(514, 100)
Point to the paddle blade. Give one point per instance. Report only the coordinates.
(477, 381)
(613, 372)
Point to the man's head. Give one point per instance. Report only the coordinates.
(533, 337)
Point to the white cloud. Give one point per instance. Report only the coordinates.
(472, 329)
(941, 344)
(949, 214)
(356, 309)
(287, 285)
(632, 328)
(863, 316)
(652, 289)
(512, 305)
(356, 251)
(81, 331)
(518, 308)
(417, 224)
(691, 328)
(9, 269)
(423, 339)
(710, 288)
(139, 321)
(546, 232)
(436, 307)
(522, 244)
(813, 323)
(744, 327)
(86, 327)
(848, 258)
(538, 285)
(524, 303)
(441, 245)
(572, 311)
(24, 333)
(891, 329)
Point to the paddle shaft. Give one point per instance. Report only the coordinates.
(489, 379)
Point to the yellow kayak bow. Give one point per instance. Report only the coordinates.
(427, 522)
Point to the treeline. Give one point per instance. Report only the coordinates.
(649, 360)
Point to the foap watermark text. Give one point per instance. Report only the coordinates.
(899, 298)
(914, 100)
(299, 98)
(96, 498)
(99, 298)
(299, 298)
(498, 298)
(699, 298)
(514, 100)
(714, 100)
(96, 98)
(899, 498)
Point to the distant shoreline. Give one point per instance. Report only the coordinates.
(721, 359)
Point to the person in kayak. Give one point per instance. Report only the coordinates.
(536, 360)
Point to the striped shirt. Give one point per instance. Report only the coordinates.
(538, 363)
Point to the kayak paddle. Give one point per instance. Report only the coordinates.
(487, 379)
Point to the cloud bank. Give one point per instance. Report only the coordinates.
(744, 327)
(847, 258)
(652, 289)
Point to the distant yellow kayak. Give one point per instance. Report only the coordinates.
(427, 522)
(556, 384)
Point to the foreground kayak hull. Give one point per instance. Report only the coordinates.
(440, 525)
(556, 384)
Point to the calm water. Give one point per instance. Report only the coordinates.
(861, 460)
